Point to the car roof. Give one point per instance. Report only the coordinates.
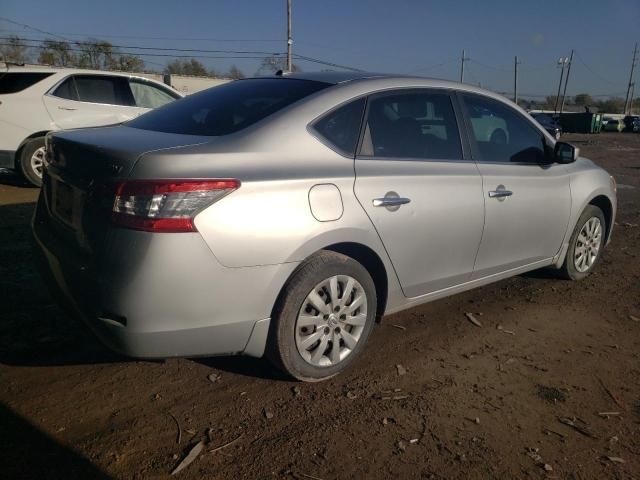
(343, 77)
(389, 80)
(64, 70)
(335, 77)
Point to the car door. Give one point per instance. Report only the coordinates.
(91, 100)
(527, 198)
(421, 193)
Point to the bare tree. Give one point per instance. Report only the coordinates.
(187, 67)
(583, 99)
(57, 53)
(235, 73)
(14, 50)
(97, 54)
(611, 105)
(128, 63)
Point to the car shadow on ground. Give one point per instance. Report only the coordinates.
(27, 453)
(9, 177)
(245, 366)
(33, 329)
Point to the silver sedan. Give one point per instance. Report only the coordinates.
(284, 215)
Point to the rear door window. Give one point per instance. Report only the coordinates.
(228, 108)
(416, 124)
(103, 89)
(14, 82)
(341, 127)
(67, 90)
(147, 95)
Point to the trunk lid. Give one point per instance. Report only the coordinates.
(82, 166)
(88, 155)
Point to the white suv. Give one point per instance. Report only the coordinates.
(35, 101)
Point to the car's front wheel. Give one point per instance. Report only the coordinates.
(585, 245)
(323, 318)
(32, 160)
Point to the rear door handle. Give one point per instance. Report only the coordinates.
(390, 201)
(71, 109)
(500, 193)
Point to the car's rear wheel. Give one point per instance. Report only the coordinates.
(585, 245)
(323, 318)
(32, 160)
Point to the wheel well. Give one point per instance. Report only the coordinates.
(604, 204)
(372, 262)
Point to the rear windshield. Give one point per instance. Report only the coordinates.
(228, 108)
(13, 82)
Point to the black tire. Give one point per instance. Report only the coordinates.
(26, 153)
(568, 269)
(282, 349)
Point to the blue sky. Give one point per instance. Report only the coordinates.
(403, 36)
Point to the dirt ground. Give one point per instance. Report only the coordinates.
(474, 402)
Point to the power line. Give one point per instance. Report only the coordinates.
(432, 67)
(593, 71)
(158, 54)
(489, 66)
(33, 44)
(231, 57)
(139, 37)
(59, 35)
(245, 53)
(32, 28)
(160, 49)
(322, 62)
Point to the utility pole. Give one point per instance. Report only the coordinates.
(566, 80)
(562, 62)
(633, 87)
(515, 80)
(289, 39)
(462, 60)
(633, 66)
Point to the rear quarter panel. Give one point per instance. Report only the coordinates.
(268, 220)
(21, 115)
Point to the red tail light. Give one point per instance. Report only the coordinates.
(166, 205)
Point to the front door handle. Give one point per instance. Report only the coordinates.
(70, 109)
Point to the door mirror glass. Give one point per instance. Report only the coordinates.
(565, 153)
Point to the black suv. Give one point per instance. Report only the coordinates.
(632, 123)
(549, 123)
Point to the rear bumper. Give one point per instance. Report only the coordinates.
(162, 295)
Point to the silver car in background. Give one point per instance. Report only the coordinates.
(284, 215)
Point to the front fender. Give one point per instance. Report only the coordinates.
(588, 186)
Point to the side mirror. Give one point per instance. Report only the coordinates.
(565, 152)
